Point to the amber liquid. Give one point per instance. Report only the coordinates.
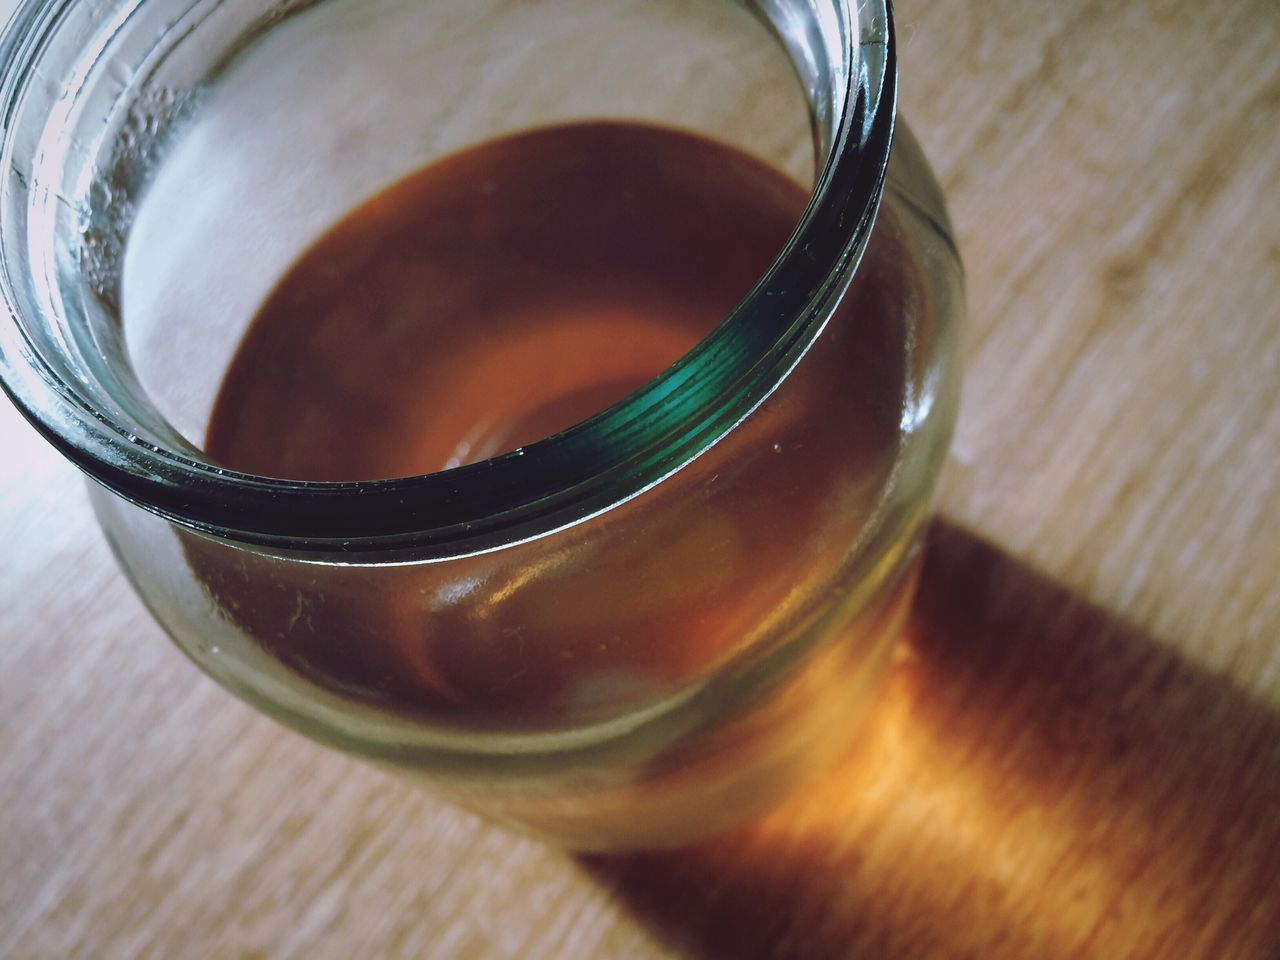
(495, 298)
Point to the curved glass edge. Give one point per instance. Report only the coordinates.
(886, 544)
(549, 485)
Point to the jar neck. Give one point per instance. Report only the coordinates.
(844, 58)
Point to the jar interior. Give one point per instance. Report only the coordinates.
(211, 143)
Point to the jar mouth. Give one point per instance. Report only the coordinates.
(847, 63)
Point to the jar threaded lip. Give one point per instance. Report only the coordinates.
(549, 485)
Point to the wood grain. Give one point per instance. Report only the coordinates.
(1077, 753)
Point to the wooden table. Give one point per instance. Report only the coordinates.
(1077, 753)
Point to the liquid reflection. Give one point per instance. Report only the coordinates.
(1037, 779)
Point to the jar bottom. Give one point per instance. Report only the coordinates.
(740, 770)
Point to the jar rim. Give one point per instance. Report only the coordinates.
(549, 485)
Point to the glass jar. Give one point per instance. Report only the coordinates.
(634, 633)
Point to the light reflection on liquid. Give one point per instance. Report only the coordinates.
(1035, 779)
